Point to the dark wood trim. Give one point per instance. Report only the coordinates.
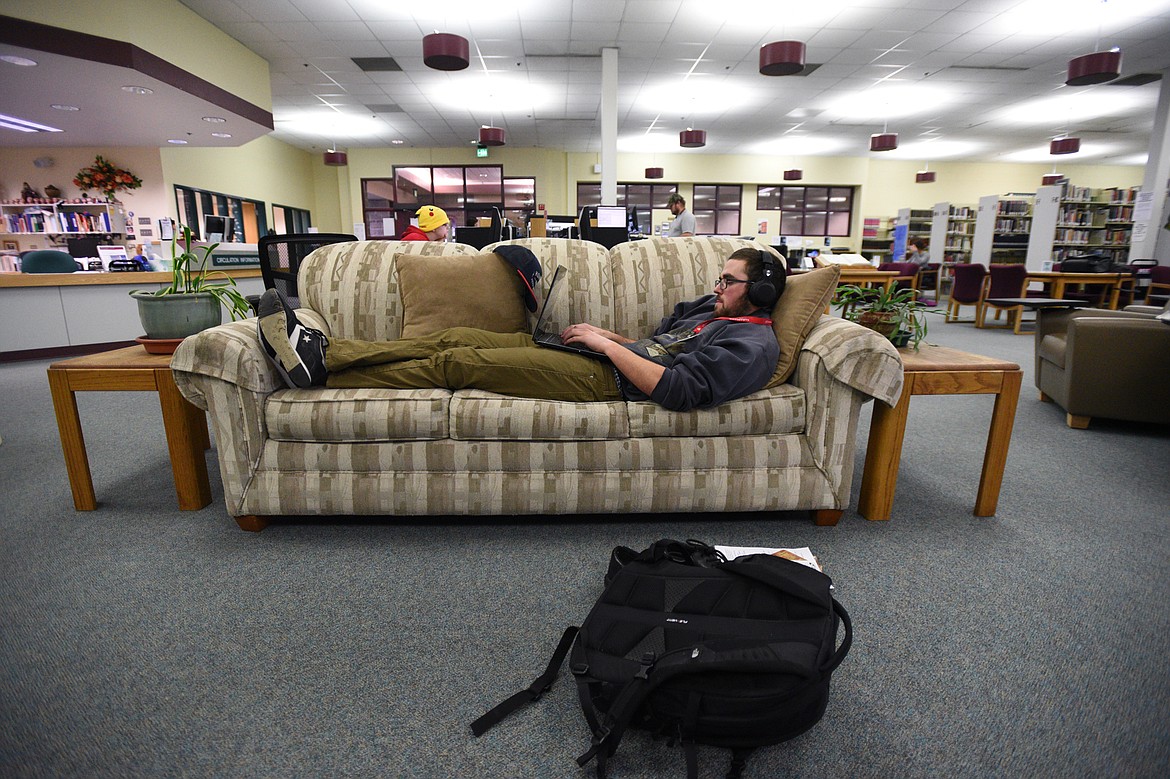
(94, 48)
(55, 352)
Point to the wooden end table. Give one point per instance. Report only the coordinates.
(122, 370)
(939, 370)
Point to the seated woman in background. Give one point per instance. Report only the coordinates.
(917, 251)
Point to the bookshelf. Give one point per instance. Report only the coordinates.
(1002, 226)
(1071, 220)
(952, 232)
(60, 219)
(875, 238)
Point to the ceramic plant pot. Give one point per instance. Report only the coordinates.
(884, 322)
(177, 316)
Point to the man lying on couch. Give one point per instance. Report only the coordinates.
(707, 352)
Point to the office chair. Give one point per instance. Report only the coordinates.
(1158, 291)
(47, 261)
(281, 256)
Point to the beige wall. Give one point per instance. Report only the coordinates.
(885, 186)
(165, 28)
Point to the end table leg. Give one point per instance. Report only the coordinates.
(883, 453)
(186, 430)
(72, 441)
(999, 437)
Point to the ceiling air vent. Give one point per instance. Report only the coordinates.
(377, 64)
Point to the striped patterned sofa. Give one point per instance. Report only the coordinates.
(436, 452)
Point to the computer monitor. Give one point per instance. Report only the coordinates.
(217, 228)
(83, 247)
(612, 216)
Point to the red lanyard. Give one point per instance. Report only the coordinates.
(753, 320)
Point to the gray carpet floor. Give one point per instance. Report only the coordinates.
(141, 641)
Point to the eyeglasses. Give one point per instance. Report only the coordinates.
(723, 282)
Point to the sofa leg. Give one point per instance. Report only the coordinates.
(1078, 422)
(827, 517)
(1044, 398)
(252, 523)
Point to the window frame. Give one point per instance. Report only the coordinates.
(719, 213)
(830, 191)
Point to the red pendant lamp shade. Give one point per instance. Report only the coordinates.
(491, 136)
(692, 139)
(1095, 68)
(1065, 146)
(782, 58)
(445, 51)
(794, 174)
(655, 173)
(1052, 178)
(336, 158)
(883, 142)
(925, 177)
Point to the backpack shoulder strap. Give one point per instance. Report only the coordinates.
(532, 693)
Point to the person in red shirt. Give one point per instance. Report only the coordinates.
(433, 225)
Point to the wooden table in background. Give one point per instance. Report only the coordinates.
(1056, 281)
(121, 370)
(939, 370)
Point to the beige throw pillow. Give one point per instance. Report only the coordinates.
(798, 309)
(469, 290)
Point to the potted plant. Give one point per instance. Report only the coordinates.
(895, 313)
(194, 299)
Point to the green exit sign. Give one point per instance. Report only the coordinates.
(480, 150)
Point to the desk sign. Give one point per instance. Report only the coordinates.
(235, 260)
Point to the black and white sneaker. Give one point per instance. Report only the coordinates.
(298, 352)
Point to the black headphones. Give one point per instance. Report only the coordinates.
(765, 292)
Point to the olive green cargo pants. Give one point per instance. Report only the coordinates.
(469, 358)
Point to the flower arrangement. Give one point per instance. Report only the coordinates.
(105, 178)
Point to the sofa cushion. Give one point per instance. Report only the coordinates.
(773, 411)
(345, 415)
(798, 309)
(477, 290)
(477, 415)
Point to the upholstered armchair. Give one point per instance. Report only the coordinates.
(1099, 363)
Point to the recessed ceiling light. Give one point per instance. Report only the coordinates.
(221, 135)
(177, 141)
(12, 59)
(63, 107)
(137, 90)
(215, 119)
(397, 141)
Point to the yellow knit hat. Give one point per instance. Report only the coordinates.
(431, 218)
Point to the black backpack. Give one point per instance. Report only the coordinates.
(691, 647)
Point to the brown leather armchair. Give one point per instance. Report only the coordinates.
(1100, 363)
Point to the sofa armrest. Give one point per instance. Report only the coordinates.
(231, 352)
(855, 356)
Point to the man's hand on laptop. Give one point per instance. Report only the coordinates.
(578, 334)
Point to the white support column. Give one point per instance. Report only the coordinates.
(1150, 240)
(609, 82)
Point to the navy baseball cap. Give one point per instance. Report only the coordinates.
(526, 264)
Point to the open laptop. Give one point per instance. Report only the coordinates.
(542, 335)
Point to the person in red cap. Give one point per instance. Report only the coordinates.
(433, 225)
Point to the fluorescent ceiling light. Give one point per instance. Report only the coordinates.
(888, 101)
(1070, 107)
(648, 143)
(1041, 154)
(934, 150)
(696, 96)
(136, 90)
(25, 126)
(798, 145)
(747, 14)
(1074, 16)
(12, 59)
(331, 124)
(496, 95)
(63, 107)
